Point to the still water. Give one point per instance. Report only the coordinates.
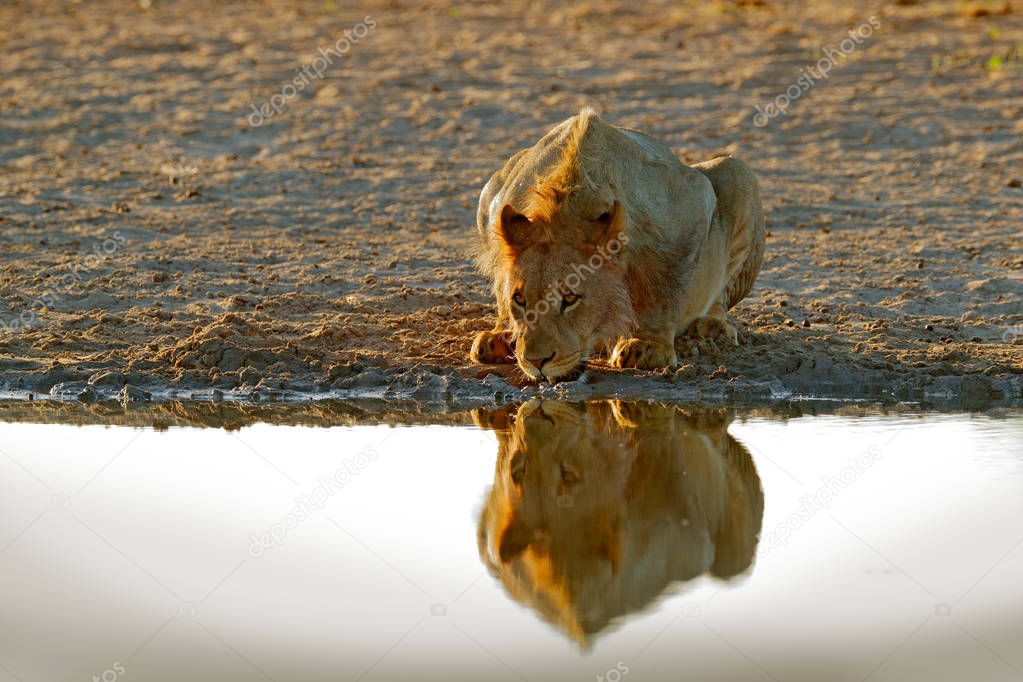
(553, 541)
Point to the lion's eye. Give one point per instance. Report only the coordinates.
(569, 300)
(519, 299)
(605, 217)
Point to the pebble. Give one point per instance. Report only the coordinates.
(133, 394)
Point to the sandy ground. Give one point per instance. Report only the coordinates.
(150, 235)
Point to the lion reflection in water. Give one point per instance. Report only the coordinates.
(597, 508)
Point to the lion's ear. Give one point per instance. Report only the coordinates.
(609, 225)
(513, 228)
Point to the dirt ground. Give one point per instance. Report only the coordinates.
(150, 234)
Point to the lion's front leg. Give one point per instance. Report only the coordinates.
(493, 347)
(497, 346)
(643, 354)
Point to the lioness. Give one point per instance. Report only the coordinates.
(598, 237)
(598, 507)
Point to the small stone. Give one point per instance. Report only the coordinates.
(241, 301)
(133, 394)
(790, 323)
(1014, 182)
(929, 328)
(232, 360)
(342, 371)
(108, 378)
(806, 323)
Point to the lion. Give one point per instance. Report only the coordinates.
(598, 239)
(597, 508)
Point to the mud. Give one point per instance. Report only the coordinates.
(154, 245)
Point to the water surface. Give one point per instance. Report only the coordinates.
(549, 541)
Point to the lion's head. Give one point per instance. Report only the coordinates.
(566, 295)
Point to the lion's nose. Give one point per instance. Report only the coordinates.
(540, 362)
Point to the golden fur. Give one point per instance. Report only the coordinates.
(597, 508)
(598, 238)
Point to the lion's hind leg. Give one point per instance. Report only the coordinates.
(742, 217)
(714, 326)
(634, 353)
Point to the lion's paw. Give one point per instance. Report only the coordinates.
(713, 328)
(643, 354)
(491, 348)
